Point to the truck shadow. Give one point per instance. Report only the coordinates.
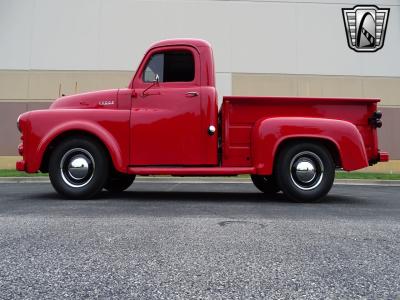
(192, 196)
(196, 196)
(188, 196)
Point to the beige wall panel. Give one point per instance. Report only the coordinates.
(262, 85)
(48, 85)
(8, 162)
(109, 80)
(328, 86)
(296, 85)
(340, 86)
(14, 85)
(309, 86)
(81, 82)
(388, 89)
(385, 88)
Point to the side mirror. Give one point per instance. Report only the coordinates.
(156, 82)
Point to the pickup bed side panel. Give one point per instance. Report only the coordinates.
(268, 134)
(111, 127)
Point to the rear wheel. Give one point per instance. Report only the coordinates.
(119, 182)
(78, 167)
(266, 184)
(305, 171)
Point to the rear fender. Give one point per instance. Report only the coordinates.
(269, 134)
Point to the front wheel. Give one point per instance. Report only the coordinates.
(305, 171)
(78, 167)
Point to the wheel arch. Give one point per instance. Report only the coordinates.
(329, 144)
(113, 154)
(341, 138)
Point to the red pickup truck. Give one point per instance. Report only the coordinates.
(167, 123)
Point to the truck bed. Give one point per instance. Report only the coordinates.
(239, 115)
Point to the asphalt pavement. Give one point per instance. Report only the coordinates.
(172, 240)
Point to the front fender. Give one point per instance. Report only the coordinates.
(94, 129)
(269, 133)
(111, 128)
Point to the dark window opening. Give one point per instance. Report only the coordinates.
(172, 66)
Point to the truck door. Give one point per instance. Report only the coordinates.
(166, 112)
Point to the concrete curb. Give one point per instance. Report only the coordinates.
(43, 179)
(204, 180)
(367, 182)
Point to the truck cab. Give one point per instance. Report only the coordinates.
(174, 106)
(166, 122)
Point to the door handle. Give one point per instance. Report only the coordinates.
(192, 94)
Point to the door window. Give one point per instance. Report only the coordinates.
(171, 66)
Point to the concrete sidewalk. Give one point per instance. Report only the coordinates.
(203, 180)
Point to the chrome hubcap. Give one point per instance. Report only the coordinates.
(77, 167)
(306, 170)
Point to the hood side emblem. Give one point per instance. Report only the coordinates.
(106, 102)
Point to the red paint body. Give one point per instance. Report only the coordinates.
(165, 130)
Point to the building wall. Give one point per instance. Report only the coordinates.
(280, 47)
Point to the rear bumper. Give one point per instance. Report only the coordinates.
(383, 156)
(20, 165)
(21, 149)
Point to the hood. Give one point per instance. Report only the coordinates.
(100, 99)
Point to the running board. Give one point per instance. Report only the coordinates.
(191, 171)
